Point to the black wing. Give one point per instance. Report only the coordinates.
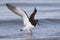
(33, 14)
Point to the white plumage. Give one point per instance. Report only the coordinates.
(20, 12)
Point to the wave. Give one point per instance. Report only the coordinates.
(55, 10)
(50, 20)
(30, 38)
(11, 36)
(18, 21)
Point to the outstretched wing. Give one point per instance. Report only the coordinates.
(19, 12)
(33, 14)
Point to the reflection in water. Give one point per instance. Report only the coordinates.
(27, 37)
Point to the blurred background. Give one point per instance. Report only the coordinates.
(48, 13)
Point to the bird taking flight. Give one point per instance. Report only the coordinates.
(29, 22)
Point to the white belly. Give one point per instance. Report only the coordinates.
(28, 26)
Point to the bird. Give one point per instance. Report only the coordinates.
(29, 22)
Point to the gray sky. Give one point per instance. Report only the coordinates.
(30, 1)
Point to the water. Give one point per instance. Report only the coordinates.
(49, 19)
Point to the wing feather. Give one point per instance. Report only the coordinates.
(19, 12)
(33, 14)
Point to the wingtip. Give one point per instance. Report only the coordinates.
(7, 4)
(10, 6)
(35, 10)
